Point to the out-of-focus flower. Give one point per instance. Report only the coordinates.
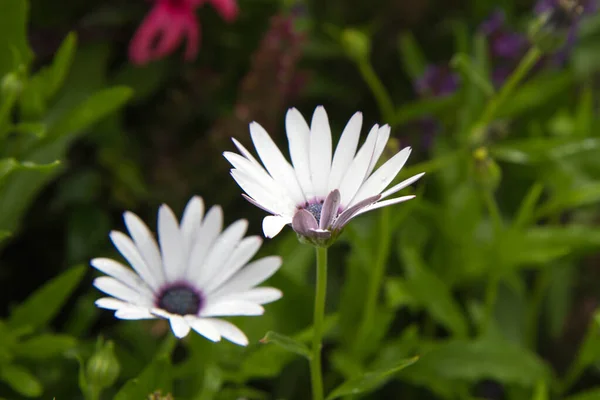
(317, 194)
(558, 23)
(437, 81)
(168, 24)
(199, 272)
(503, 42)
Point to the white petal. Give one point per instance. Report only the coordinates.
(117, 289)
(385, 203)
(320, 151)
(273, 224)
(279, 168)
(190, 224)
(133, 313)
(396, 188)
(246, 153)
(230, 332)
(220, 252)
(259, 295)
(345, 151)
(241, 255)
(298, 134)
(267, 199)
(355, 174)
(130, 252)
(230, 308)
(256, 173)
(382, 177)
(122, 273)
(382, 138)
(145, 243)
(205, 327)
(250, 276)
(110, 304)
(208, 233)
(179, 326)
(171, 244)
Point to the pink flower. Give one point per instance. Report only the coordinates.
(170, 22)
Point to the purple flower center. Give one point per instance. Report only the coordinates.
(315, 210)
(180, 299)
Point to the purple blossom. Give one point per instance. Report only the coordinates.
(504, 43)
(437, 81)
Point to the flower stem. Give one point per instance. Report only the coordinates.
(491, 291)
(377, 273)
(384, 101)
(491, 110)
(316, 375)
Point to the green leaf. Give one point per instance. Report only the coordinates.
(369, 381)
(61, 64)
(593, 394)
(13, 35)
(21, 380)
(538, 150)
(433, 293)
(40, 307)
(90, 111)
(10, 165)
(580, 196)
(541, 392)
(527, 207)
(212, 384)
(464, 65)
(287, 343)
(411, 56)
(44, 346)
(536, 92)
(156, 376)
(35, 128)
(422, 108)
(488, 358)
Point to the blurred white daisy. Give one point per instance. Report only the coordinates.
(199, 272)
(319, 192)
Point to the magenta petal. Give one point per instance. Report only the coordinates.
(304, 222)
(352, 211)
(330, 208)
(228, 9)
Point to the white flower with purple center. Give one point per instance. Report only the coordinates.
(320, 191)
(198, 273)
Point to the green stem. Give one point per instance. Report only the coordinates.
(377, 274)
(384, 101)
(493, 210)
(491, 293)
(316, 376)
(535, 304)
(491, 110)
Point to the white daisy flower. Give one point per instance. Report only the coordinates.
(319, 192)
(198, 273)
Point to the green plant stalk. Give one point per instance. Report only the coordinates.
(491, 291)
(491, 110)
(376, 273)
(316, 375)
(535, 304)
(384, 101)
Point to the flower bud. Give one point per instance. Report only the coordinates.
(103, 368)
(10, 85)
(356, 44)
(550, 30)
(486, 172)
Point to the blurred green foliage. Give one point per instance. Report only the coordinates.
(484, 286)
